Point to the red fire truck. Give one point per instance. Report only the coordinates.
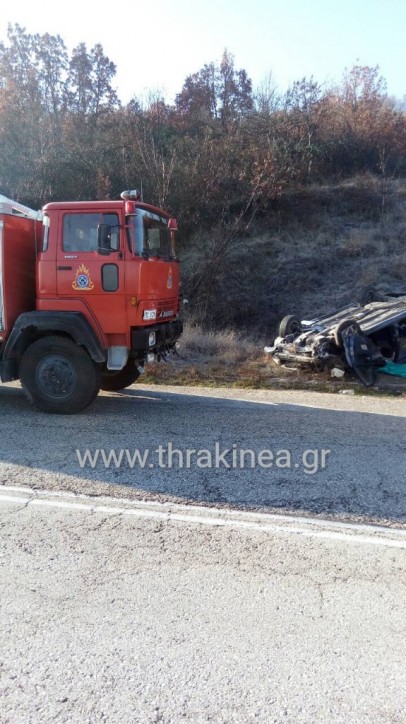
(89, 292)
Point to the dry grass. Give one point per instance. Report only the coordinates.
(214, 357)
(227, 346)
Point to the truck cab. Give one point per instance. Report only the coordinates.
(104, 282)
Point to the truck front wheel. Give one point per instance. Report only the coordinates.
(58, 375)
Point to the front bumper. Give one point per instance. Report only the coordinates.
(166, 335)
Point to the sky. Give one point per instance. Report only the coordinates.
(156, 45)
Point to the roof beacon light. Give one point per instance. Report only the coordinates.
(132, 195)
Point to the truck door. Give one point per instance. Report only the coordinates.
(88, 277)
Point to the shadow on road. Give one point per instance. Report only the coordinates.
(363, 476)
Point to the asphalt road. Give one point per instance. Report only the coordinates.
(196, 593)
(132, 614)
(363, 477)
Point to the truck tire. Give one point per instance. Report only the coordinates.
(58, 375)
(113, 381)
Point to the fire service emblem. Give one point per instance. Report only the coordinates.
(82, 279)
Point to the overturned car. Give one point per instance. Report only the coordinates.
(362, 337)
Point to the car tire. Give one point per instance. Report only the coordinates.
(344, 325)
(289, 325)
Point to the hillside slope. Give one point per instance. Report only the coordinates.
(312, 251)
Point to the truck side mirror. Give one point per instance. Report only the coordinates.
(104, 239)
(115, 239)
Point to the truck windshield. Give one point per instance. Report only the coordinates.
(149, 235)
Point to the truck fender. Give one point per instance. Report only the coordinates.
(29, 326)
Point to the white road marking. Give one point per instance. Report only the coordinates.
(173, 512)
(278, 517)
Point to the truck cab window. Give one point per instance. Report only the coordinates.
(80, 230)
(149, 236)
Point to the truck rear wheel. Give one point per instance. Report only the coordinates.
(58, 375)
(113, 381)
